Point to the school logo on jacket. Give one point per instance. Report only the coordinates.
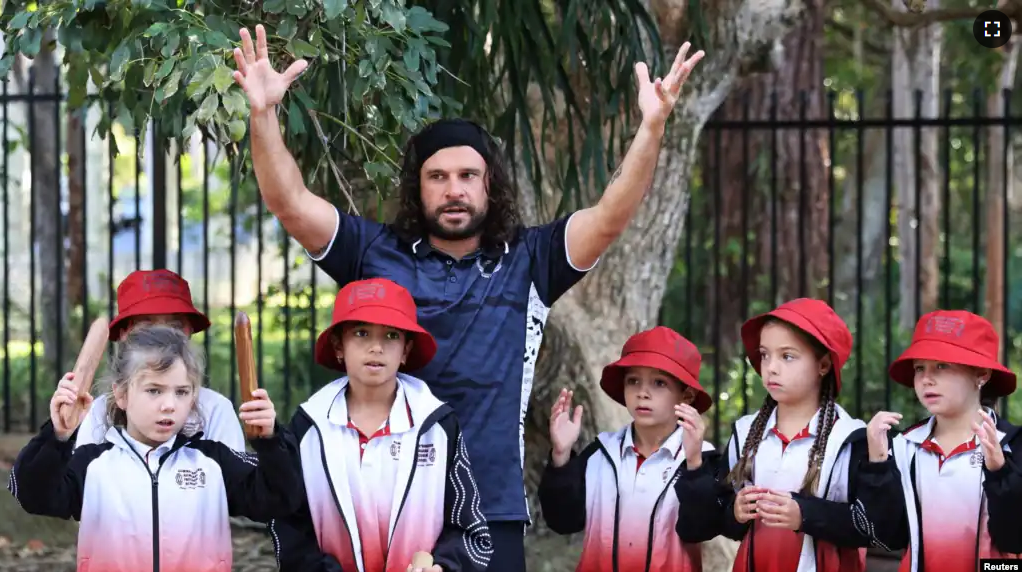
(395, 450)
(976, 458)
(189, 479)
(426, 456)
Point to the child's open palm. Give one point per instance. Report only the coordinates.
(693, 430)
(564, 427)
(67, 394)
(259, 413)
(994, 458)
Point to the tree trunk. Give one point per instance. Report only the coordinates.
(799, 252)
(916, 58)
(76, 215)
(49, 250)
(622, 295)
(999, 156)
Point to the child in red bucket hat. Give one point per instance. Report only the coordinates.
(618, 488)
(790, 487)
(960, 465)
(385, 467)
(162, 297)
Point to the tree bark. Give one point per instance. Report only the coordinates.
(799, 253)
(622, 295)
(999, 156)
(50, 251)
(76, 216)
(916, 58)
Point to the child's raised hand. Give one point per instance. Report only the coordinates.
(564, 428)
(693, 430)
(259, 413)
(745, 506)
(994, 459)
(67, 394)
(877, 435)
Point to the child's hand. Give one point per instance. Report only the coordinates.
(779, 510)
(994, 459)
(434, 568)
(564, 429)
(259, 413)
(67, 394)
(877, 435)
(692, 435)
(745, 506)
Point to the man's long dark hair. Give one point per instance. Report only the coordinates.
(503, 220)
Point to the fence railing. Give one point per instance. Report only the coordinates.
(780, 207)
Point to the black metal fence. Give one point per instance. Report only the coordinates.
(779, 208)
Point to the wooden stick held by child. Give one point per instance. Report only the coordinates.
(85, 370)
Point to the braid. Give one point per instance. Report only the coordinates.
(824, 425)
(743, 470)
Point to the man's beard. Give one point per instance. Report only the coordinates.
(436, 229)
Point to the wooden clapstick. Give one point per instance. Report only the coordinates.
(421, 560)
(246, 364)
(85, 368)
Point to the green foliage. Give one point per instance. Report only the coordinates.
(373, 64)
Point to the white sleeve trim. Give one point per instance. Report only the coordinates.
(568, 255)
(326, 249)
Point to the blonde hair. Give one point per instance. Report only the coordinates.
(150, 349)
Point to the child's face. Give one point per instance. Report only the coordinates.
(157, 404)
(373, 353)
(651, 396)
(790, 370)
(947, 389)
(178, 321)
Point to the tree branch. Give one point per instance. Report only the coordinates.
(1010, 8)
(847, 31)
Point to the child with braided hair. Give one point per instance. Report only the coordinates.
(789, 489)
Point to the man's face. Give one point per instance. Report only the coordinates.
(453, 188)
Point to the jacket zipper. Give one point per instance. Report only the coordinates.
(427, 424)
(154, 478)
(618, 502)
(653, 517)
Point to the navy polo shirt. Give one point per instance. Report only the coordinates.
(487, 312)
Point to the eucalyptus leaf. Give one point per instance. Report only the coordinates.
(171, 47)
(287, 28)
(296, 122)
(169, 87)
(273, 6)
(297, 7)
(223, 78)
(420, 21)
(19, 21)
(164, 70)
(237, 128)
(150, 73)
(118, 61)
(234, 101)
(302, 49)
(333, 8)
(208, 108)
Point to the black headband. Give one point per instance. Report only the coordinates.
(450, 133)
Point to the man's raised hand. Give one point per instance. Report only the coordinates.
(264, 86)
(657, 98)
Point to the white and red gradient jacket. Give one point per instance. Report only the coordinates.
(163, 509)
(625, 530)
(435, 501)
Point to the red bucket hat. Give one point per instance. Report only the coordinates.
(955, 336)
(148, 292)
(812, 316)
(659, 348)
(377, 301)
